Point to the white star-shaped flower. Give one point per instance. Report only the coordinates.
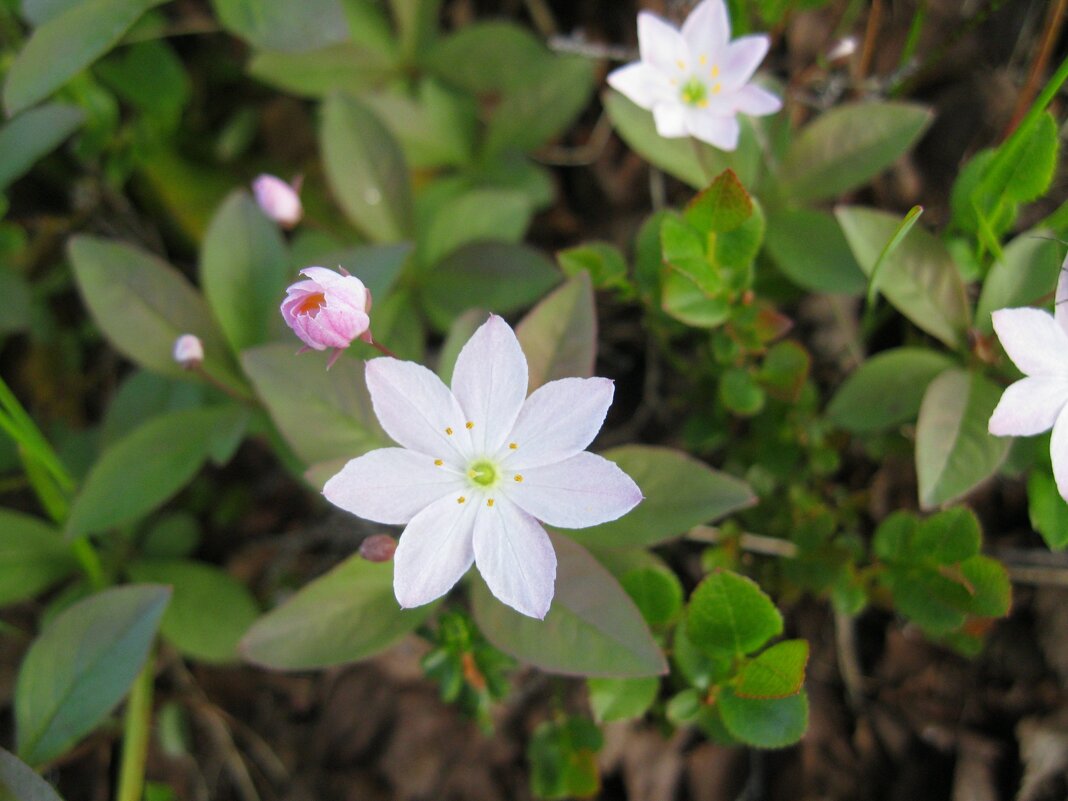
(479, 466)
(696, 81)
(1037, 343)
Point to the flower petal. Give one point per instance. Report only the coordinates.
(490, 383)
(660, 43)
(578, 492)
(718, 131)
(1058, 451)
(557, 421)
(416, 409)
(642, 84)
(515, 557)
(707, 30)
(391, 485)
(1033, 340)
(1060, 305)
(434, 551)
(742, 58)
(1030, 406)
(670, 119)
(756, 101)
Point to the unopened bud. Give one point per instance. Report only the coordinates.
(188, 351)
(278, 200)
(378, 548)
(843, 48)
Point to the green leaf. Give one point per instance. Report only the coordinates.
(1048, 511)
(289, 25)
(886, 390)
(902, 231)
(378, 266)
(680, 493)
(563, 759)
(621, 699)
(318, 73)
(142, 396)
(436, 129)
(65, 45)
(16, 299)
(322, 414)
(991, 591)
(417, 25)
(559, 335)
(919, 277)
(487, 57)
(143, 305)
(202, 593)
(764, 722)
(954, 451)
(808, 246)
(784, 370)
(147, 467)
(729, 613)
(948, 537)
(497, 276)
(722, 207)
(601, 260)
(366, 171)
(847, 146)
(657, 592)
(18, 782)
(243, 269)
(33, 556)
(481, 215)
(80, 667)
(33, 134)
(589, 608)
(38, 12)
(775, 673)
(1025, 275)
(346, 615)
(894, 536)
(687, 302)
(740, 393)
(934, 602)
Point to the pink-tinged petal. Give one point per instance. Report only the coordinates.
(1060, 306)
(278, 200)
(1030, 406)
(742, 58)
(641, 84)
(670, 119)
(1058, 451)
(416, 409)
(557, 421)
(1033, 340)
(756, 101)
(515, 557)
(661, 44)
(716, 130)
(582, 491)
(707, 30)
(434, 551)
(392, 485)
(490, 383)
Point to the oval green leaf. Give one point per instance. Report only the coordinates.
(288, 25)
(19, 782)
(32, 134)
(764, 722)
(808, 246)
(33, 556)
(729, 613)
(775, 673)
(559, 335)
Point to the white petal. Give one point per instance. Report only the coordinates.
(1033, 340)
(661, 44)
(707, 30)
(581, 491)
(756, 101)
(490, 383)
(670, 119)
(742, 58)
(558, 420)
(1030, 406)
(1060, 306)
(1058, 451)
(434, 551)
(391, 485)
(642, 84)
(515, 557)
(717, 130)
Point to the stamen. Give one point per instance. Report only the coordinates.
(469, 425)
(438, 462)
(461, 499)
(681, 64)
(703, 103)
(512, 445)
(489, 502)
(717, 88)
(448, 431)
(518, 477)
(714, 72)
(703, 59)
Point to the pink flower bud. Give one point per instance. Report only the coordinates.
(378, 548)
(188, 351)
(278, 200)
(328, 310)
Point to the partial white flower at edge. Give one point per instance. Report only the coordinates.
(696, 81)
(479, 466)
(1037, 343)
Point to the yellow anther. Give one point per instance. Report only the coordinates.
(714, 72)
(518, 477)
(489, 502)
(512, 445)
(448, 431)
(703, 103)
(717, 88)
(461, 499)
(681, 64)
(469, 425)
(438, 462)
(703, 59)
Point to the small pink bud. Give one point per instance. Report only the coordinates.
(188, 351)
(378, 548)
(328, 310)
(278, 200)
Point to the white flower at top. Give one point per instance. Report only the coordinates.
(479, 466)
(696, 81)
(1037, 343)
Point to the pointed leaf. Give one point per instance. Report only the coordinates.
(33, 134)
(808, 246)
(18, 782)
(723, 206)
(33, 556)
(559, 335)
(288, 25)
(1025, 275)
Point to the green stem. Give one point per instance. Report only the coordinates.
(137, 727)
(89, 559)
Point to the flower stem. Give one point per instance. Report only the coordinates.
(137, 726)
(383, 349)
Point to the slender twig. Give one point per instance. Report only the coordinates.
(581, 47)
(845, 641)
(871, 33)
(542, 16)
(754, 543)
